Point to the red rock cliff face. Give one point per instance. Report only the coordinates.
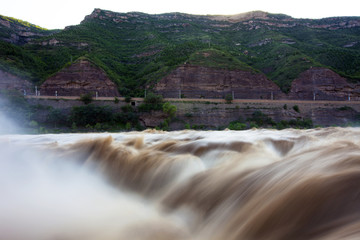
(12, 82)
(79, 78)
(197, 82)
(325, 84)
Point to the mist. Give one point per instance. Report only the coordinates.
(254, 184)
(43, 198)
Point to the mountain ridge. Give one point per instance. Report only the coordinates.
(137, 50)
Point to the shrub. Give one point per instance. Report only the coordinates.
(188, 115)
(86, 98)
(127, 99)
(128, 126)
(169, 109)
(116, 100)
(97, 126)
(296, 108)
(152, 98)
(127, 108)
(345, 108)
(90, 114)
(57, 118)
(228, 98)
(237, 126)
(151, 102)
(124, 118)
(261, 119)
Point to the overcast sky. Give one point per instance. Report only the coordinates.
(58, 14)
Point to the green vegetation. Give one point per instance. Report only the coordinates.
(228, 98)
(86, 98)
(127, 99)
(345, 108)
(236, 125)
(217, 59)
(136, 50)
(170, 111)
(296, 108)
(151, 102)
(23, 23)
(259, 119)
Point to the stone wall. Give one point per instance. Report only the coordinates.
(214, 115)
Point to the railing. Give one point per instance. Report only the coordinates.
(235, 94)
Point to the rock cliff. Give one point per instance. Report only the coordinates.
(9, 81)
(20, 32)
(203, 82)
(323, 84)
(79, 78)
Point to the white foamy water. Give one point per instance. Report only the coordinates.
(254, 184)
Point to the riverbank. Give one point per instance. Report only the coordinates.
(216, 113)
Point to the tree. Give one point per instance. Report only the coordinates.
(86, 98)
(228, 98)
(169, 109)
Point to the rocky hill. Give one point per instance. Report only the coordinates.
(10, 81)
(79, 78)
(20, 32)
(323, 84)
(138, 51)
(190, 81)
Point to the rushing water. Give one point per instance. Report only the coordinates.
(256, 184)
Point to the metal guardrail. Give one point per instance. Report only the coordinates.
(235, 95)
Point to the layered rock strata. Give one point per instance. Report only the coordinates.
(190, 81)
(323, 84)
(9, 81)
(80, 78)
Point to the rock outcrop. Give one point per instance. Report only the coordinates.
(19, 32)
(323, 84)
(9, 81)
(80, 78)
(203, 82)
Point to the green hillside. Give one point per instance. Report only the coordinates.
(136, 49)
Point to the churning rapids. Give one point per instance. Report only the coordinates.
(255, 184)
